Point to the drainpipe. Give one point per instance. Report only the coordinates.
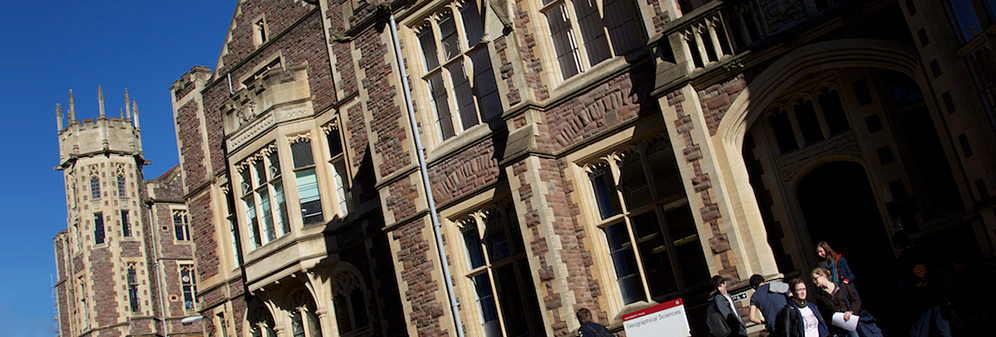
(436, 226)
(159, 264)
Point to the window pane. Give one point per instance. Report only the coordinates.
(250, 203)
(125, 224)
(98, 228)
(664, 169)
(259, 171)
(122, 193)
(246, 181)
(627, 272)
(784, 133)
(359, 308)
(653, 252)
(264, 204)
(486, 305)
(338, 177)
(833, 112)
(274, 160)
(314, 326)
(94, 188)
(605, 195)
(967, 19)
(447, 30)
(475, 256)
(593, 31)
(472, 23)
(805, 114)
(625, 30)
(463, 94)
(510, 297)
(297, 324)
(441, 106)
(278, 198)
(428, 42)
(342, 314)
(301, 151)
(563, 41)
(633, 182)
(307, 191)
(692, 263)
(485, 87)
(335, 143)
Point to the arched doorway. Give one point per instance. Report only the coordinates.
(839, 207)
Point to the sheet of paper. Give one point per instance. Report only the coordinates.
(849, 325)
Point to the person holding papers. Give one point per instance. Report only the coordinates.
(841, 305)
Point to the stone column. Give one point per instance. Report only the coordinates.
(555, 248)
(728, 218)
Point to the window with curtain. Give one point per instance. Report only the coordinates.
(307, 182)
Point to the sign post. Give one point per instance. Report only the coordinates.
(665, 319)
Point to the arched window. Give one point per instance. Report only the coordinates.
(261, 322)
(350, 303)
(133, 288)
(304, 321)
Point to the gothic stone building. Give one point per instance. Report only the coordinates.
(126, 263)
(603, 154)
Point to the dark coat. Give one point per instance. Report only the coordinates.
(592, 329)
(788, 321)
(722, 320)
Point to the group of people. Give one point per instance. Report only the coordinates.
(790, 311)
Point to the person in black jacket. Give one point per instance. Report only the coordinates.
(721, 316)
(589, 328)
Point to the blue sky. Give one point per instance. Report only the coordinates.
(50, 47)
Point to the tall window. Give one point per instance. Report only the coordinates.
(648, 225)
(498, 269)
(122, 187)
(83, 310)
(94, 187)
(188, 285)
(587, 32)
(304, 321)
(307, 182)
(458, 71)
(125, 224)
(263, 195)
(337, 159)
(261, 322)
(350, 304)
(133, 288)
(98, 228)
(222, 325)
(181, 225)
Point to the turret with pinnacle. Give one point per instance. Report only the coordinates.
(103, 135)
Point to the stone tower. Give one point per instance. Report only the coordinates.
(110, 258)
